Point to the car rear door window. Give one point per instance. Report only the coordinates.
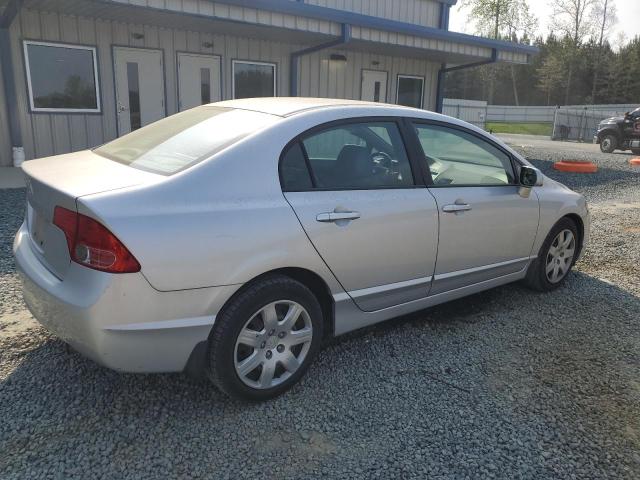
(365, 155)
(456, 157)
(294, 173)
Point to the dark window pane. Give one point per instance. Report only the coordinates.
(253, 80)
(62, 77)
(293, 170)
(359, 156)
(410, 92)
(134, 95)
(376, 92)
(205, 85)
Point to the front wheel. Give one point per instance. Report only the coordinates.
(265, 339)
(556, 257)
(608, 143)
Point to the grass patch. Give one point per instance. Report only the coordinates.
(524, 128)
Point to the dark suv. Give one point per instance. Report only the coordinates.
(620, 133)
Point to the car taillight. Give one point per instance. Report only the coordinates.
(92, 245)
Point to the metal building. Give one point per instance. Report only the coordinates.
(77, 73)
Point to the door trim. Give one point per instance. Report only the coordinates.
(375, 298)
(445, 282)
(349, 317)
(198, 54)
(115, 46)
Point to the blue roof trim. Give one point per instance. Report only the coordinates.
(341, 16)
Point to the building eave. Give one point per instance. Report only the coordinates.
(341, 16)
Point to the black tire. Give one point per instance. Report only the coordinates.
(231, 321)
(536, 275)
(608, 143)
(635, 151)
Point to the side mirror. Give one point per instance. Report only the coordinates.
(529, 177)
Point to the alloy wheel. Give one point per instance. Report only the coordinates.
(273, 344)
(560, 256)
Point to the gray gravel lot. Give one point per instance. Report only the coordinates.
(505, 384)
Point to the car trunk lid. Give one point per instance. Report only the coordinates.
(59, 181)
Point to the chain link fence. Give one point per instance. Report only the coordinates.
(579, 124)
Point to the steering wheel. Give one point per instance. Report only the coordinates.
(382, 160)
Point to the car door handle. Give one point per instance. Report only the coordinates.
(335, 216)
(456, 207)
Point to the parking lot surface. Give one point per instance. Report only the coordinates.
(507, 384)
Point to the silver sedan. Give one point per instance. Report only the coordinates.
(233, 238)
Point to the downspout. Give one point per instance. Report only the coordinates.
(444, 70)
(10, 12)
(295, 56)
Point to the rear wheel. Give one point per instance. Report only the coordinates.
(265, 339)
(556, 257)
(608, 143)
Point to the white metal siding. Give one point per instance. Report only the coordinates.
(321, 78)
(47, 134)
(419, 12)
(513, 57)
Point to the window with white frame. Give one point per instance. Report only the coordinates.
(253, 79)
(410, 91)
(61, 77)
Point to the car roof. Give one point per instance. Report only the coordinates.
(287, 106)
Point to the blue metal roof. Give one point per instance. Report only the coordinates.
(341, 16)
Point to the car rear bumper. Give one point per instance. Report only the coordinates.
(119, 321)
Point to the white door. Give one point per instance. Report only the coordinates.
(198, 80)
(139, 87)
(374, 86)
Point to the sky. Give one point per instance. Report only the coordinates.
(628, 18)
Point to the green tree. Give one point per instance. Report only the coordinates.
(501, 19)
(573, 19)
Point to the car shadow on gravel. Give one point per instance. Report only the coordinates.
(566, 362)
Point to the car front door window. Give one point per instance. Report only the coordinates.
(459, 158)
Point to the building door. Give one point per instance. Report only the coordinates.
(198, 80)
(374, 86)
(139, 76)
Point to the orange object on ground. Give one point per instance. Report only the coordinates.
(576, 167)
(635, 162)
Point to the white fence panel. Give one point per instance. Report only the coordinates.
(574, 122)
(535, 114)
(472, 111)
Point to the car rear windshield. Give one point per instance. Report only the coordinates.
(185, 139)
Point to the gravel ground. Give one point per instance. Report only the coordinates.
(505, 384)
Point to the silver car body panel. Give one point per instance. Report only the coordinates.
(394, 241)
(119, 321)
(203, 233)
(498, 229)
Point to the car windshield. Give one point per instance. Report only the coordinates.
(185, 139)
